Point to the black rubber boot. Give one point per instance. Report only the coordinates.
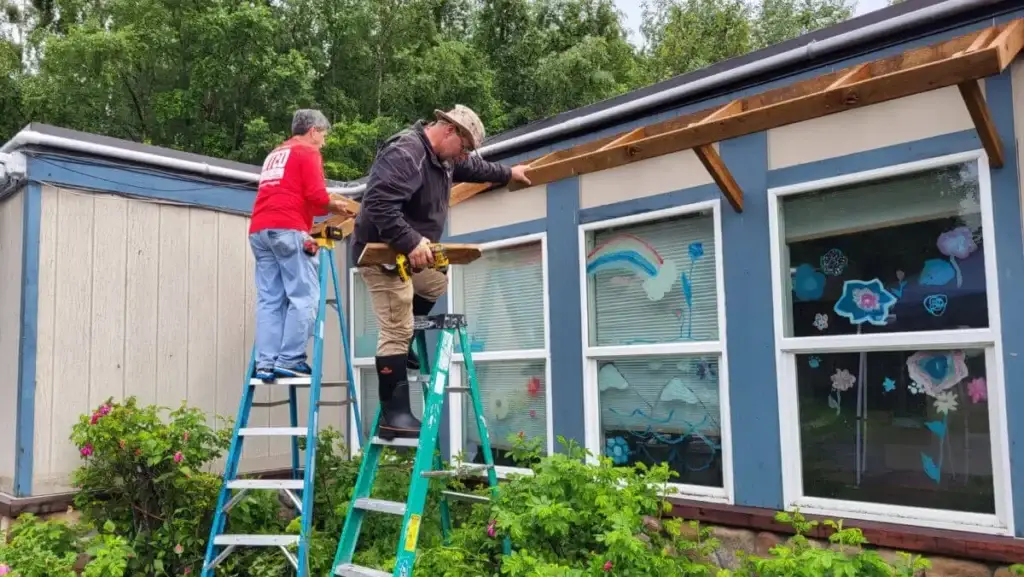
(396, 418)
(420, 307)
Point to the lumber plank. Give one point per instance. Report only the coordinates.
(720, 173)
(859, 72)
(631, 136)
(380, 253)
(934, 73)
(467, 190)
(346, 224)
(351, 206)
(1009, 42)
(987, 133)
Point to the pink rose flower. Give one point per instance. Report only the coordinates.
(86, 450)
(178, 457)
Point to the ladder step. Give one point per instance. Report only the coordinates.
(350, 570)
(381, 506)
(295, 382)
(257, 484)
(256, 540)
(396, 442)
(466, 497)
(463, 471)
(272, 432)
(458, 389)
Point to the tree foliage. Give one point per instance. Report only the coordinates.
(222, 77)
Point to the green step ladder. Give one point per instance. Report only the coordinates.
(233, 489)
(427, 464)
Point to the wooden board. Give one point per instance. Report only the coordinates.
(380, 253)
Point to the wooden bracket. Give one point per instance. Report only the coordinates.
(987, 133)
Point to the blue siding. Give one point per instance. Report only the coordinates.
(750, 338)
(1006, 208)
(26, 425)
(145, 183)
(565, 321)
(502, 232)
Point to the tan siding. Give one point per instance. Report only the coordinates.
(658, 175)
(497, 208)
(11, 219)
(905, 120)
(155, 301)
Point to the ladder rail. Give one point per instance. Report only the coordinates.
(349, 373)
(231, 466)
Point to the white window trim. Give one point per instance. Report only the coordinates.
(456, 411)
(592, 354)
(990, 339)
(354, 424)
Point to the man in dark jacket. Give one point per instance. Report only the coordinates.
(406, 206)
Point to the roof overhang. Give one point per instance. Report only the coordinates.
(962, 61)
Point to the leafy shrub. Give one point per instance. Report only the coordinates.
(37, 548)
(144, 476)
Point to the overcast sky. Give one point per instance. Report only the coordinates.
(632, 11)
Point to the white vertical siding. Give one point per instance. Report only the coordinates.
(154, 301)
(11, 219)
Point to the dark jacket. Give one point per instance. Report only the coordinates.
(406, 197)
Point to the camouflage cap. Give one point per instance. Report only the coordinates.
(466, 121)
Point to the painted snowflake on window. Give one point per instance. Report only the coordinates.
(834, 262)
(821, 321)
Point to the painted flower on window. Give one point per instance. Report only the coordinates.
(915, 388)
(696, 250)
(977, 390)
(865, 301)
(821, 321)
(937, 371)
(618, 450)
(843, 380)
(957, 244)
(533, 387)
(808, 283)
(945, 402)
(834, 262)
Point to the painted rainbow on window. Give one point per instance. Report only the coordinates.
(632, 253)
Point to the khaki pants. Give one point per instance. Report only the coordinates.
(392, 304)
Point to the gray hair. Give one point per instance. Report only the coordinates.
(306, 119)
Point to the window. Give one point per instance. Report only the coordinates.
(654, 334)
(504, 297)
(888, 377)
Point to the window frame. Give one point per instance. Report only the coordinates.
(592, 354)
(358, 363)
(456, 403)
(989, 339)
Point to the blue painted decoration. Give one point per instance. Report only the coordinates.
(808, 283)
(936, 272)
(814, 361)
(957, 244)
(888, 385)
(618, 450)
(865, 301)
(898, 290)
(935, 304)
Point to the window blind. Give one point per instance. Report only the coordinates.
(513, 397)
(905, 199)
(653, 282)
(502, 296)
(670, 395)
(364, 323)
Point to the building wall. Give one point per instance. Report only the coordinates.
(147, 299)
(497, 208)
(1017, 77)
(11, 219)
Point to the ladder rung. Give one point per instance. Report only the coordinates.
(463, 471)
(350, 570)
(272, 432)
(396, 442)
(381, 506)
(269, 484)
(458, 389)
(256, 540)
(296, 382)
(344, 403)
(466, 497)
(272, 404)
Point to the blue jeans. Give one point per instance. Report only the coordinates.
(287, 295)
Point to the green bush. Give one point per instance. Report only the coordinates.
(142, 481)
(36, 548)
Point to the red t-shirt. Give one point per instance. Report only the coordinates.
(292, 189)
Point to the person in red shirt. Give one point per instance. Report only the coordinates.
(292, 191)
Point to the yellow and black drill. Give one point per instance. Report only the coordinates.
(405, 268)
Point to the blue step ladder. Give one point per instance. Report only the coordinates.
(233, 491)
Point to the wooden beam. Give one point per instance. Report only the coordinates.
(910, 73)
(987, 133)
(350, 205)
(734, 107)
(858, 73)
(1009, 42)
(631, 136)
(720, 173)
(380, 253)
